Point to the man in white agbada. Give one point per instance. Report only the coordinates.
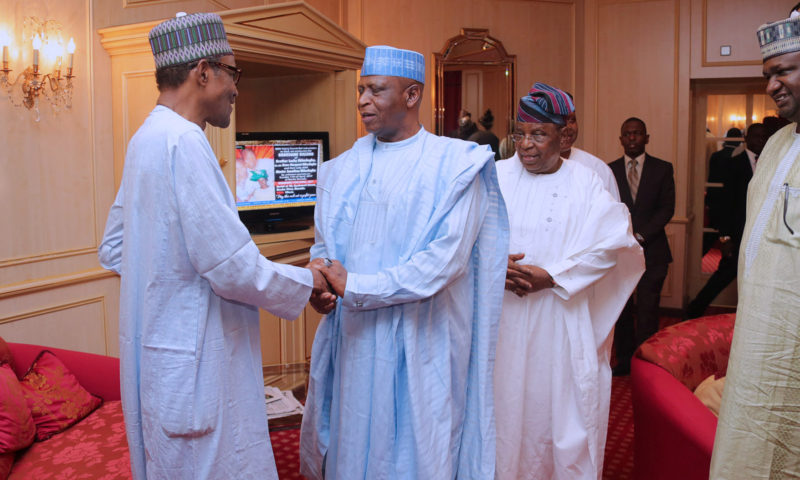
(570, 152)
(190, 357)
(573, 264)
(415, 233)
(758, 434)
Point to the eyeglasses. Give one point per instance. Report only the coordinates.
(535, 138)
(235, 72)
(786, 206)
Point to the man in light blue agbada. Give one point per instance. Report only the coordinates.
(414, 233)
(190, 356)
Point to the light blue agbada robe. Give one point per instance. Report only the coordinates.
(401, 370)
(192, 385)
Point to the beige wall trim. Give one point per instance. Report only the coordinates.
(24, 288)
(145, 3)
(47, 256)
(55, 308)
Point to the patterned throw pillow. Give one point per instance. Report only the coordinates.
(56, 399)
(692, 350)
(16, 424)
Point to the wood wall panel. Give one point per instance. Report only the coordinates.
(730, 22)
(636, 74)
(76, 326)
(735, 23)
(540, 33)
(78, 316)
(53, 194)
(46, 187)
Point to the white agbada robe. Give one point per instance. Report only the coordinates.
(190, 355)
(599, 167)
(401, 370)
(552, 373)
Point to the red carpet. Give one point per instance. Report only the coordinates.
(711, 260)
(618, 464)
(286, 446)
(619, 446)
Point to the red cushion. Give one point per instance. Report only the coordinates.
(16, 424)
(94, 448)
(692, 350)
(6, 462)
(5, 354)
(56, 399)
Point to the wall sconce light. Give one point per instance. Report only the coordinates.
(45, 40)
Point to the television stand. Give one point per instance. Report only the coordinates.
(264, 228)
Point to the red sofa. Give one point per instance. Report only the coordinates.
(673, 430)
(95, 447)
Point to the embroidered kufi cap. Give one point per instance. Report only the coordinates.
(187, 38)
(545, 104)
(393, 62)
(780, 37)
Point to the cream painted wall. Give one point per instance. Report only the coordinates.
(53, 197)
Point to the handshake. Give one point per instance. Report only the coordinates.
(330, 280)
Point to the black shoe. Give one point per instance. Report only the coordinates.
(621, 370)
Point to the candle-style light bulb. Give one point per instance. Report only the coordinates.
(5, 41)
(71, 51)
(37, 45)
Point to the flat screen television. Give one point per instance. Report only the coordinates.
(276, 179)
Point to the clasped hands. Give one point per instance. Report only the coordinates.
(525, 279)
(330, 280)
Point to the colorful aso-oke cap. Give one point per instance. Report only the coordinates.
(187, 38)
(780, 37)
(393, 62)
(545, 104)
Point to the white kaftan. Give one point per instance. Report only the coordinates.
(758, 433)
(401, 370)
(190, 356)
(599, 167)
(552, 373)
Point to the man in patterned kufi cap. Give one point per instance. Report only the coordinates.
(758, 433)
(573, 263)
(191, 277)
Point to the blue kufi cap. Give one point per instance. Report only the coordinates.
(393, 62)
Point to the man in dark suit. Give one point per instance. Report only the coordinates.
(735, 178)
(647, 187)
(717, 165)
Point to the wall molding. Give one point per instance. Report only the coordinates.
(48, 256)
(25, 288)
(147, 3)
(56, 308)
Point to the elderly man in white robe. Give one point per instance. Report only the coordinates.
(758, 434)
(190, 356)
(415, 235)
(573, 263)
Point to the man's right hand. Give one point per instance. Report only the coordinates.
(322, 299)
